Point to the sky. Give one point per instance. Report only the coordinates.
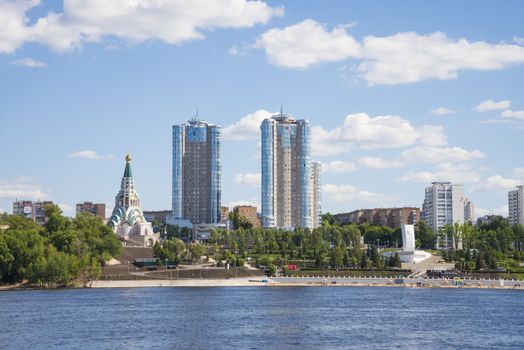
(398, 93)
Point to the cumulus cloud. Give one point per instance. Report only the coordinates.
(247, 128)
(306, 43)
(442, 111)
(439, 154)
(518, 172)
(338, 166)
(406, 57)
(458, 173)
(490, 105)
(365, 132)
(21, 188)
(249, 179)
(513, 114)
(378, 163)
(136, 21)
(88, 154)
(29, 62)
(346, 193)
(496, 183)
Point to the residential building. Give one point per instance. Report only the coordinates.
(249, 212)
(391, 217)
(160, 216)
(196, 173)
(32, 210)
(469, 212)
(224, 214)
(98, 209)
(287, 190)
(516, 206)
(316, 193)
(443, 205)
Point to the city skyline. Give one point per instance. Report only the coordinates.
(382, 132)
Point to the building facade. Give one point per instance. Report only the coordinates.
(391, 217)
(127, 219)
(249, 212)
(287, 189)
(469, 212)
(516, 206)
(444, 204)
(224, 214)
(98, 209)
(32, 210)
(157, 215)
(316, 193)
(196, 179)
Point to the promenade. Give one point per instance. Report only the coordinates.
(317, 281)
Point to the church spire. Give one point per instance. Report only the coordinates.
(127, 171)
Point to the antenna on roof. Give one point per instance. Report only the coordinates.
(281, 110)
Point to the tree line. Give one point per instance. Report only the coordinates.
(55, 254)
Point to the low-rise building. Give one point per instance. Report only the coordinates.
(98, 209)
(160, 216)
(32, 210)
(392, 217)
(224, 214)
(249, 212)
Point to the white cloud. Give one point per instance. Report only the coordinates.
(518, 172)
(495, 121)
(400, 58)
(67, 209)
(378, 163)
(365, 132)
(29, 62)
(247, 128)
(338, 166)
(442, 111)
(90, 155)
(346, 193)
(306, 43)
(135, 21)
(439, 155)
(21, 188)
(513, 114)
(502, 211)
(496, 183)
(458, 173)
(518, 40)
(249, 179)
(490, 105)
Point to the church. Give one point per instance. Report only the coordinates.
(127, 219)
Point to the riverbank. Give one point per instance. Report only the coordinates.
(314, 282)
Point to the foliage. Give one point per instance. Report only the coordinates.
(55, 254)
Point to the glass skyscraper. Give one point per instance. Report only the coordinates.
(289, 197)
(196, 173)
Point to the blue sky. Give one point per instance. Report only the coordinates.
(399, 94)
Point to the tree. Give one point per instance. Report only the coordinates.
(396, 261)
(337, 257)
(425, 236)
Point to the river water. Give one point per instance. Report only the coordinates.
(263, 318)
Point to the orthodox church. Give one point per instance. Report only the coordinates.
(127, 220)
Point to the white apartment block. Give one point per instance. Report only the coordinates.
(516, 206)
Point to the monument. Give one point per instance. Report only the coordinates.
(409, 254)
(127, 219)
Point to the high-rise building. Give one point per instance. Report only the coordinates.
(516, 206)
(469, 211)
(98, 209)
(249, 212)
(287, 189)
(316, 193)
(196, 173)
(32, 210)
(443, 205)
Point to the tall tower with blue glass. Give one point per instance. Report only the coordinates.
(196, 173)
(287, 189)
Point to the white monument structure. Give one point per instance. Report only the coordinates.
(409, 254)
(127, 220)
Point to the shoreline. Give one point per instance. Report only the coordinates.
(287, 282)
